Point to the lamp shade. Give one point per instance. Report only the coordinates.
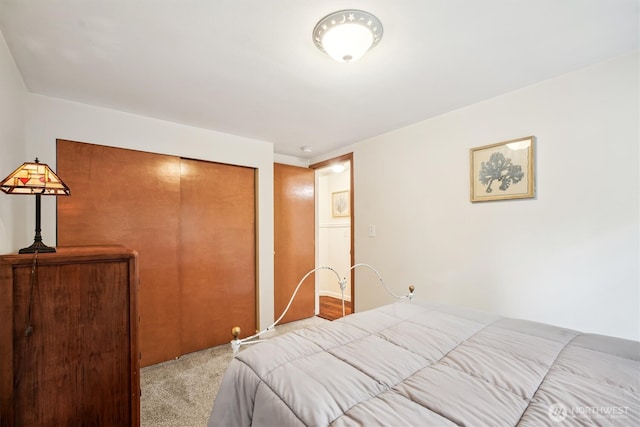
(347, 35)
(34, 178)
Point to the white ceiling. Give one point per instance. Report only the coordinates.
(250, 68)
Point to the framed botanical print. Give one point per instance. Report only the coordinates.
(503, 171)
(340, 203)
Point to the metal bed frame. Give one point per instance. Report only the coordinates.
(236, 342)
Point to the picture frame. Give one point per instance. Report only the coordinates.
(340, 204)
(501, 171)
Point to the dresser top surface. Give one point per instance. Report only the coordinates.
(72, 254)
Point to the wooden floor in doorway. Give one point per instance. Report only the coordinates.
(331, 308)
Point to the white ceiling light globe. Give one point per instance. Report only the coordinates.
(347, 35)
(347, 42)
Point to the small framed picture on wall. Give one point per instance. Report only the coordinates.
(340, 204)
(503, 171)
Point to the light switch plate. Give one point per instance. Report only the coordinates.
(371, 230)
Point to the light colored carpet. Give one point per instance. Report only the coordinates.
(180, 393)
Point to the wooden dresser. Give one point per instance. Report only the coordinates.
(69, 338)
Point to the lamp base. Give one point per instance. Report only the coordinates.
(37, 247)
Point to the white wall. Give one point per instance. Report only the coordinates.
(49, 119)
(290, 160)
(568, 257)
(13, 217)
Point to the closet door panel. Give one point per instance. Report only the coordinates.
(217, 257)
(129, 198)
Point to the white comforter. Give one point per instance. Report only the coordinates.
(417, 365)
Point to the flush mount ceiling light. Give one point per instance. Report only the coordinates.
(338, 168)
(346, 35)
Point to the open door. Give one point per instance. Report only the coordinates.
(334, 232)
(294, 240)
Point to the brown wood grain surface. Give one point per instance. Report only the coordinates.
(193, 225)
(79, 365)
(331, 308)
(294, 232)
(217, 252)
(130, 198)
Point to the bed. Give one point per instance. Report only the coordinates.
(419, 363)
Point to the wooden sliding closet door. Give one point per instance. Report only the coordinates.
(193, 225)
(217, 257)
(294, 240)
(129, 198)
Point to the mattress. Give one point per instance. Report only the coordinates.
(410, 364)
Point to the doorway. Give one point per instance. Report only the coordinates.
(334, 234)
